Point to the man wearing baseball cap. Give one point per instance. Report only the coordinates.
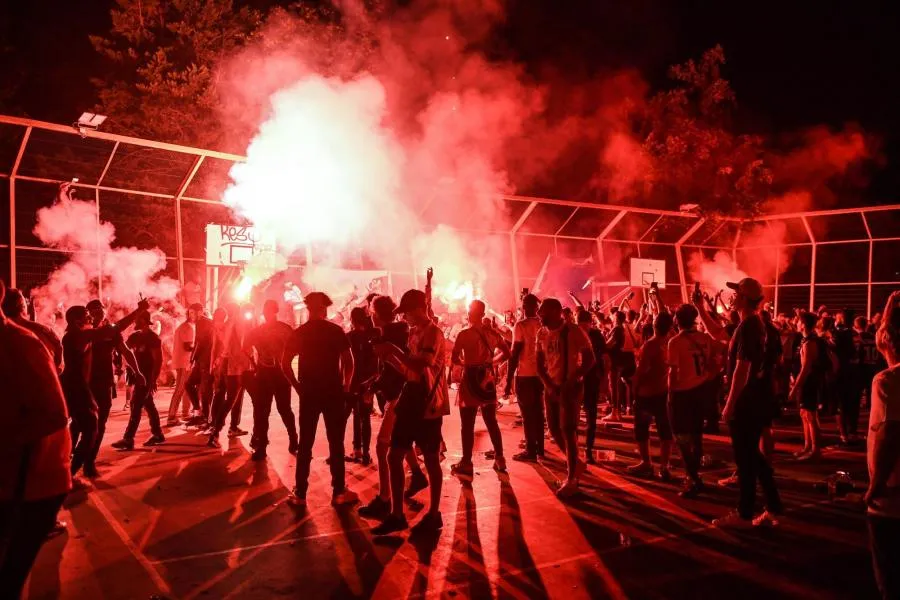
(746, 407)
(324, 374)
(422, 405)
(102, 378)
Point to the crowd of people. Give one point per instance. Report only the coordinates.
(684, 369)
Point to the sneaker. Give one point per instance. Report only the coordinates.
(732, 520)
(462, 468)
(155, 440)
(767, 519)
(641, 469)
(568, 489)
(729, 481)
(525, 457)
(500, 465)
(90, 471)
(814, 455)
(611, 418)
(691, 490)
(350, 458)
(523, 444)
(392, 524)
(173, 423)
(293, 447)
(213, 442)
(801, 453)
(296, 500)
(490, 455)
(344, 497)
(80, 484)
(430, 523)
(366, 460)
(258, 454)
(376, 509)
(417, 483)
(123, 444)
(236, 432)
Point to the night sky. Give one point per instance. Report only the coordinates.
(792, 64)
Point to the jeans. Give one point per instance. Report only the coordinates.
(102, 393)
(264, 386)
(752, 466)
(362, 423)
(227, 388)
(142, 399)
(23, 529)
(199, 389)
(179, 396)
(468, 415)
(329, 404)
(884, 543)
(83, 428)
(530, 393)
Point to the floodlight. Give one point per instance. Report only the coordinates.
(88, 122)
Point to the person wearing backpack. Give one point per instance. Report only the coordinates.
(809, 385)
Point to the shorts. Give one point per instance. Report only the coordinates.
(647, 409)
(424, 433)
(687, 409)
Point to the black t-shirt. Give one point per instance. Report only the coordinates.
(749, 344)
(76, 347)
(143, 344)
(844, 346)
(365, 363)
(774, 351)
(390, 380)
(102, 349)
(203, 341)
(319, 345)
(269, 339)
(598, 344)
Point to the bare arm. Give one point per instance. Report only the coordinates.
(808, 356)
(587, 362)
(287, 358)
(517, 349)
(544, 374)
(738, 383)
(456, 354)
(576, 300)
(128, 355)
(886, 453)
(347, 366)
(713, 327)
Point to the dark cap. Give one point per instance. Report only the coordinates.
(318, 299)
(76, 312)
(411, 300)
(748, 287)
(94, 305)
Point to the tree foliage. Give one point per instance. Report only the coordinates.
(163, 56)
(694, 156)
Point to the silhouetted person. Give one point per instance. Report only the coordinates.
(147, 349)
(15, 307)
(34, 452)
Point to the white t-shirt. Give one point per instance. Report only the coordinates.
(526, 331)
(550, 344)
(885, 407)
(690, 355)
(184, 334)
